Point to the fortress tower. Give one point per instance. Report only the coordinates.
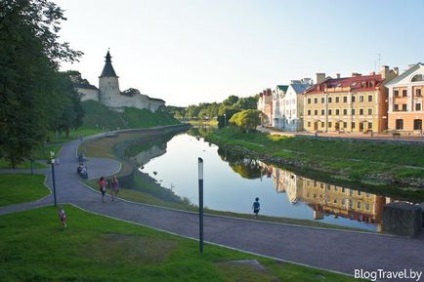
(109, 85)
(109, 94)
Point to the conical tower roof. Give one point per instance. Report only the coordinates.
(108, 70)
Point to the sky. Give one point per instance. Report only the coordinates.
(188, 52)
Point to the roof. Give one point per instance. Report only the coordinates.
(357, 83)
(299, 87)
(405, 74)
(108, 70)
(283, 87)
(85, 86)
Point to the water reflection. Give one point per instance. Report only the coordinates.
(232, 182)
(330, 200)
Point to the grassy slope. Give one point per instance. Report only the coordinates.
(99, 116)
(34, 247)
(366, 163)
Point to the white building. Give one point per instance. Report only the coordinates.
(288, 110)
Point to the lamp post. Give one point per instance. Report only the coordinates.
(200, 166)
(53, 177)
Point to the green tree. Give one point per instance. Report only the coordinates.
(247, 120)
(29, 59)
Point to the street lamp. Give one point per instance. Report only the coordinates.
(200, 166)
(52, 162)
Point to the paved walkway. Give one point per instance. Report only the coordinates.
(336, 250)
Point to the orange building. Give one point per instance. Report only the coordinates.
(405, 101)
(350, 104)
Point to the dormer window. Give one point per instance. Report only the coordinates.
(417, 77)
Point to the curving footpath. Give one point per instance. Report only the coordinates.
(346, 252)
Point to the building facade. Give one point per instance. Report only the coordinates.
(278, 106)
(265, 106)
(350, 104)
(405, 103)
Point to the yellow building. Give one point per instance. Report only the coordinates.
(350, 104)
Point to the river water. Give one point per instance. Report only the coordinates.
(231, 183)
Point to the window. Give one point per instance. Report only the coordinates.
(369, 111)
(361, 98)
(345, 99)
(353, 112)
(316, 112)
(337, 112)
(370, 125)
(361, 112)
(322, 124)
(322, 100)
(352, 125)
(404, 107)
(418, 92)
(358, 205)
(330, 112)
(404, 93)
(418, 107)
(337, 99)
(417, 77)
(344, 112)
(329, 124)
(345, 124)
(418, 124)
(396, 93)
(322, 112)
(353, 99)
(369, 98)
(315, 100)
(309, 100)
(309, 112)
(399, 124)
(309, 124)
(396, 107)
(329, 99)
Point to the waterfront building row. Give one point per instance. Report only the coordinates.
(378, 102)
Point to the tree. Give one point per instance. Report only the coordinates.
(247, 120)
(29, 59)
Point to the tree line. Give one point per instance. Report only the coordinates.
(35, 97)
(205, 111)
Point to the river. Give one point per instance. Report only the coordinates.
(231, 183)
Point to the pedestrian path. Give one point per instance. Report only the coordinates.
(335, 250)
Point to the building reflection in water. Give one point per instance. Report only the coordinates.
(328, 199)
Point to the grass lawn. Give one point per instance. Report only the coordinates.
(35, 247)
(20, 188)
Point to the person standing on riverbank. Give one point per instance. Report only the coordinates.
(256, 207)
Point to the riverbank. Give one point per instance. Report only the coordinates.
(381, 167)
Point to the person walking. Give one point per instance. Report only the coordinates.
(256, 207)
(115, 188)
(62, 216)
(102, 186)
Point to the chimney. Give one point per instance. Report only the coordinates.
(338, 75)
(396, 70)
(384, 71)
(320, 77)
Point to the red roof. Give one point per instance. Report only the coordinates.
(357, 83)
